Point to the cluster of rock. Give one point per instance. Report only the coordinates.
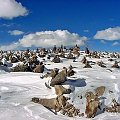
(59, 103)
(70, 110)
(101, 64)
(115, 107)
(59, 77)
(86, 63)
(93, 101)
(115, 65)
(30, 62)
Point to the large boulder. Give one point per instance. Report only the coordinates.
(60, 78)
(87, 65)
(52, 103)
(56, 59)
(39, 68)
(19, 68)
(92, 104)
(14, 59)
(52, 74)
(70, 56)
(115, 65)
(70, 71)
(60, 90)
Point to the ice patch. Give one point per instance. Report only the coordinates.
(116, 87)
(97, 77)
(37, 117)
(113, 77)
(28, 110)
(4, 88)
(15, 104)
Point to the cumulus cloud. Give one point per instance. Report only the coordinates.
(11, 8)
(108, 34)
(49, 39)
(16, 32)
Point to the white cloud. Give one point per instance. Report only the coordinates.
(86, 31)
(49, 39)
(16, 32)
(12, 46)
(108, 34)
(115, 43)
(103, 41)
(11, 8)
(6, 25)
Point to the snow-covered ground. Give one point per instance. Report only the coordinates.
(17, 89)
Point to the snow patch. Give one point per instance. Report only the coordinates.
(2, 88)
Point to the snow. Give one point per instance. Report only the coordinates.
(17, 89)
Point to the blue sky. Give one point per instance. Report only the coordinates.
(83, 17)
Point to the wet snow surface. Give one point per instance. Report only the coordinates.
(17, 89)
